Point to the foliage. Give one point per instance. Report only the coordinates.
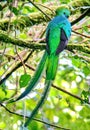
(68, 103)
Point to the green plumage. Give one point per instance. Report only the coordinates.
(51, 66)
(57, 35)
(35, 78)
(40, 103)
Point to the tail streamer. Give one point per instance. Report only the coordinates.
(41, 101)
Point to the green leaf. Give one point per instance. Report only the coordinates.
(14, 10)
(24, 80)
(2, 125)
(43, 1)
(28, 8)
(33, 126)
(86, 70)
(76, 62)
(85, 112)
(23, 35)
(85, 95)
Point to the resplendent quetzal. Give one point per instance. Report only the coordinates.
(57, 35)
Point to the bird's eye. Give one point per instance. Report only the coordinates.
(66, 15)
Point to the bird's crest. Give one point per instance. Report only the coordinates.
(63, 10)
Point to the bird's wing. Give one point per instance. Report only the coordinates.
(63, 42)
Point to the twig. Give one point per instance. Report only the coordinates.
(20, 59)
(85, 58)
(80, 34)
(77, 28)
(39, 9)
(4, 6)
(80, 17)
(54, 86)
(60, 89)
(15, 57)
(41, 121)
(15, 68)
(45, 7)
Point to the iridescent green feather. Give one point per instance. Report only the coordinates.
(35, 78)
(40, 103)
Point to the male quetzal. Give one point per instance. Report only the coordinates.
(57, 35)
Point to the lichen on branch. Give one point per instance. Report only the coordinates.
(39, 46)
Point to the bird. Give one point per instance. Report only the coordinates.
(58, 33)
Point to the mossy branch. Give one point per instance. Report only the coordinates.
(80, 47)
(22, 21)
(10, 40)
(26, 21)
(40, 46)
(34, 18)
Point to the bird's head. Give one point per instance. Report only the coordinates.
(63, 11)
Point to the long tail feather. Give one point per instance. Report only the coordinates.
(51, 68)
(44, 95)
(35, 78)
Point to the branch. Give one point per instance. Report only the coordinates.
(41, 121)
(39, 9)
(4, 6)
(54, 86)
(27, 21)
(81, 17)
(34, 18)
(70, 94)
(23, 21)
(41, 46)
(80, 47)
(14, 67)
(9, 40)
(83, 35)
(59, 88)
(85, 58)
